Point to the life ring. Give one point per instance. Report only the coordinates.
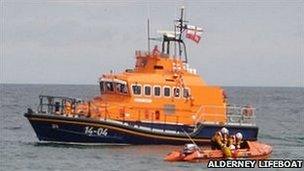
(247, 111)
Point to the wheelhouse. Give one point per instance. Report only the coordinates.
(116, 86)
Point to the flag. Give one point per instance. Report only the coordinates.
(194, 33)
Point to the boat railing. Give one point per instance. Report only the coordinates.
(198, 115)
(141, 53)
(57, 104)
(67, 106)
(236, 115)
(241, 115)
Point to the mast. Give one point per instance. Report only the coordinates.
(175, 41)
(181, 30)
(181, 26)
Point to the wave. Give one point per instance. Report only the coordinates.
(13, 127)
(296, 140)
(77, 145)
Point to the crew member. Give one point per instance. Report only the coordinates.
(68, 108)
(225, 149)
(219, 139)
(238, 140)
(216, 140)
(231, 145)
(225, 134)
(231, 141)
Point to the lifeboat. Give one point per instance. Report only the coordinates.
(161, 100)
(253, 150)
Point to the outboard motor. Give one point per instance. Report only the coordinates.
(190, 148)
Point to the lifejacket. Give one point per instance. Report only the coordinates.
(218, 139)
(225, 140)
(227, 152)
(231, 140)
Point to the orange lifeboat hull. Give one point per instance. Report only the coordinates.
(255, 151)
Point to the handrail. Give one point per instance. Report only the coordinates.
(235, 114)
(56, 104)
(196, 114)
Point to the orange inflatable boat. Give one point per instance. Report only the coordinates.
(251, 150)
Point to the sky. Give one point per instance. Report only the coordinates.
(245, 43)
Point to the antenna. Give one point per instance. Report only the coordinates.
(148, 32)
(174, 42)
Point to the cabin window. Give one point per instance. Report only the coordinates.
(102, 88)
(186, 93)
(109, 86)
(121, 88)
(167, 91)
(147, 90)
(176, 92)
(136, 89)
(158, 67)
(157, 91)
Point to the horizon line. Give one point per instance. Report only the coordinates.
(89, 84)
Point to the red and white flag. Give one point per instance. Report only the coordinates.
(194, 33)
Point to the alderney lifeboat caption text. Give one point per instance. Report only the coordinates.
(275, 163)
